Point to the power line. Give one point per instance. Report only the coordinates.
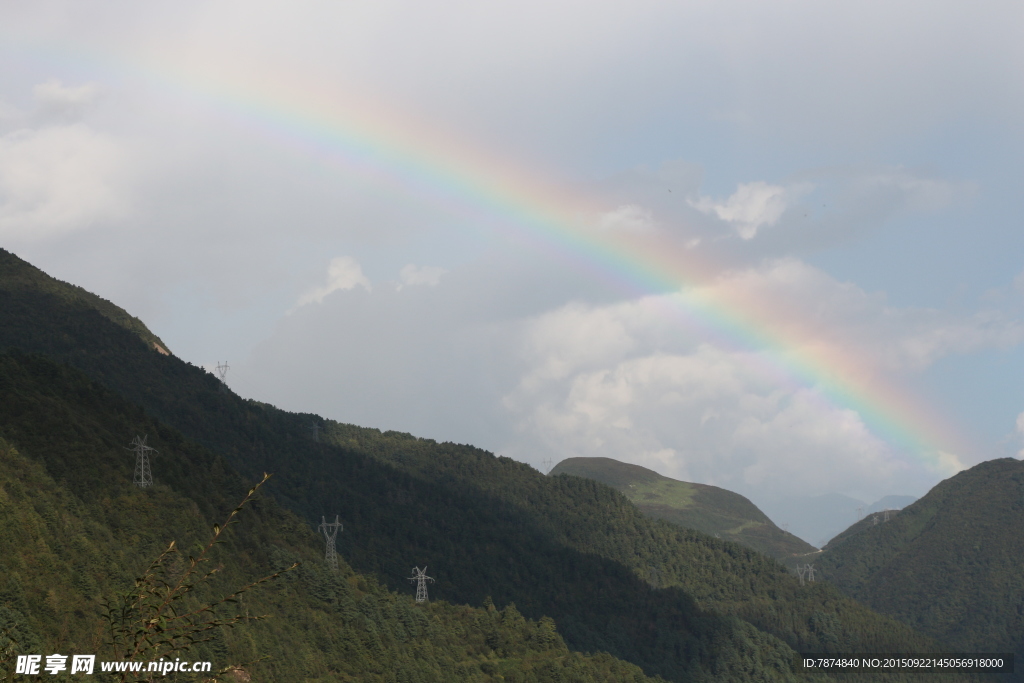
(143, 475)
(330, 532)
(421, 578)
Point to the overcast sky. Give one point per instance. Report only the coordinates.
(772, 246)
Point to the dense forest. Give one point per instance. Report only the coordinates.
(74, 531)
(949, 565)
(675, 602)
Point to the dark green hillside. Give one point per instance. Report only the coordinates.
(950, 564)
(21, 281)
(74, 530)
(677, 602)
(720, 575)
(705, 508)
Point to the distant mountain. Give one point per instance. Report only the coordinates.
(949, 564)
(815, 519)
(710, 509)
(889, 503)
(818, 519)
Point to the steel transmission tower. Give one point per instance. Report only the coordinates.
(143, 475)
(805, 570)
(421, 578)
(330, 532)
(222, 371)
(546, 465)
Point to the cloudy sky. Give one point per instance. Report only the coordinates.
(772, 246)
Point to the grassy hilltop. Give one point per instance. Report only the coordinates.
(710, 509)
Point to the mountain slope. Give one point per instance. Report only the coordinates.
(705, 508)
(949, 565)
(74, 530)
(21, 283)
(679, 603)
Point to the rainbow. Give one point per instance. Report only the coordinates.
(410, 158)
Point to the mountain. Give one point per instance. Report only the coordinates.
(74, 532)
(22, 284)
(949, 564)
(710, 509)
(675, 602)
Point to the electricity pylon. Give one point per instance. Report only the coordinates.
(222, 370)
(316, 431)
(330, 532)
(810, 573)
(800, 571)
(143, 475)
(546, 465)
(421, 578)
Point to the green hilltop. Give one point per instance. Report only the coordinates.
(586, 570)
(710, 509)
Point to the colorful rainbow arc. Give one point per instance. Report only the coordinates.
(377, 142)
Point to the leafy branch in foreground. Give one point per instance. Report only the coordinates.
(153, 619)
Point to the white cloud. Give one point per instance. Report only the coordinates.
(54, 98)
(412, 275)
(946, 464)
(705, 416)
(752, 206)
(343, 273)
(59, 179)
(625, 381)
(628, 218)
(795, 302)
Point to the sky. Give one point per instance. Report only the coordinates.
(774, 247)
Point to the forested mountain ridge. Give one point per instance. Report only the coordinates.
(710, 509)
(20, 278)
(949, 564)
(74, 531)
(679, 603)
